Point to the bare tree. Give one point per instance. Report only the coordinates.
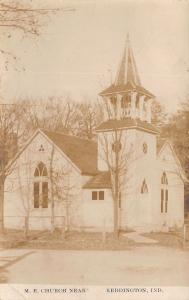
(54, 114)
(62, 190)
(117, 153)
(25, 18)
(11, 132)
(26, 192)
(65, 115)
(89, 116)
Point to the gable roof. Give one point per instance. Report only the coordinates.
(160, 143)
(82, 152)
(160, 148)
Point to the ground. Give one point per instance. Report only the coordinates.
(87, 259)
(143, 265)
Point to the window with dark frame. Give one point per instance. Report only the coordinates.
(144, 187)
(166, 201)
(164, 179)
(36, 194)
(162, 200)
(40, 186)
(44, 194)
(164, 193)
(94, 195)
(97, 195)
(145, 148)
(101, 195)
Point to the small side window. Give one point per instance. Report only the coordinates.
(101, 195)
(94, 195)
(97, 195)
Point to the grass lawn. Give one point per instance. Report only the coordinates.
(166, 239)
(72, 241)
(81, 240)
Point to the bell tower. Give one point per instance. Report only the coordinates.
(127, 108)
(127, 143)
(126, 98)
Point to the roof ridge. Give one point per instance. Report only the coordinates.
(64, 134)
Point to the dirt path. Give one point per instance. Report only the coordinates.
(152, 265)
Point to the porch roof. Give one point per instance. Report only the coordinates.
(100, 181)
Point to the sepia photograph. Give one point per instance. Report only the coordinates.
(94, 149)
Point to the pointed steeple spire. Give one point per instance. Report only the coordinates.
(127, 71)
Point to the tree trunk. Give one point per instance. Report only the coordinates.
(26, 227)
(52, 215)
(116, 217)
(52, 192)
(67, 216)
(2, 183)
(116, 196)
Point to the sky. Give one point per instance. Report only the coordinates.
(78, 52)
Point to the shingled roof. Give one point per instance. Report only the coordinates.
(126, 123)
(100, 181)
(127, 71)
(82, 152)
(127, 78)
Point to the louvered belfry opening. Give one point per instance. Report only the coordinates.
(126, 97)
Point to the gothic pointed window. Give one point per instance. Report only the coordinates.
(144, 187)
(164, 193)
(145, 148)
(40, 187)
(164, 179)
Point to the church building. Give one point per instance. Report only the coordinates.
(73, 179)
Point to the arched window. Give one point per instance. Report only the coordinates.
(164, 179)
(144, 187)
(40, 186)
(145, 148)
(164, 193)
